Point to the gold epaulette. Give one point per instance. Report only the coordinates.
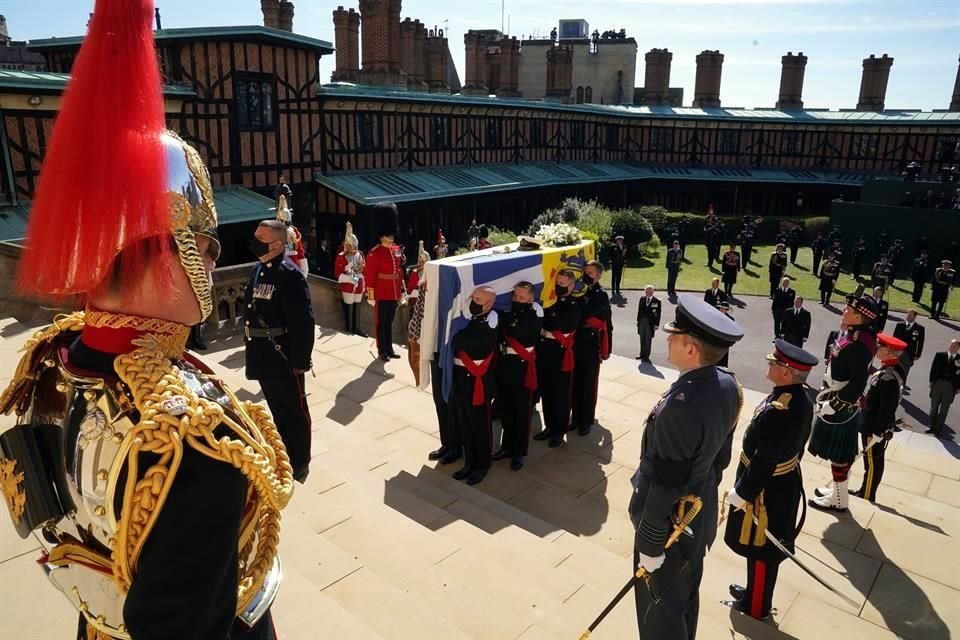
(782, 401)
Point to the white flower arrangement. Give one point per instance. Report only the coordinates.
(558, 235)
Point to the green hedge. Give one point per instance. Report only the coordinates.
(661, 219)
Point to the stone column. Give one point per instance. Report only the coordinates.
(873, 83)
(706, 92)
(791, 81)
(656, 81)
(285, 18)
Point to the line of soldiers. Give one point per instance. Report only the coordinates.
(687, 444)
(504, 360)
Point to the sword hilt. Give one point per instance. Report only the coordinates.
(687, 509)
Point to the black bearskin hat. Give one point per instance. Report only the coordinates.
(386, 220)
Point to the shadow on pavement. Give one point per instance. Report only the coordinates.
(348, 403)
(649, 369)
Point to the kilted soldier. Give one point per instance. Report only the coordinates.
(592, 347)
(685, 448)
(731, 267)
(881, 273)
(769, 484)
(919, 274)
(474, 384)
(776, 268)
(828, 278)
(943, 280)
(884, 392)
(517, 372)
(348, 270)
(837, 409)
(555, 358)
(818, 246)
(383, 275)
(618, 258)
(674, 256)
(158, 492)
(857, 253)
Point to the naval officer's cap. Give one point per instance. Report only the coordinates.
(702, 320)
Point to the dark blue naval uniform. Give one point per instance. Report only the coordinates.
(686, 446)
(278, 335)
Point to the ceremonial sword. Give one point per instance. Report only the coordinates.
(687, 509)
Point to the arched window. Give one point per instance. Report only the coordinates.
(588, 95)
(579, 95)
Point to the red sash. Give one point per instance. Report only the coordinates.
(601, 327)
(530, 357)
(477, 371)
(567, 343)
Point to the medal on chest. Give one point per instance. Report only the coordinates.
(263, 291)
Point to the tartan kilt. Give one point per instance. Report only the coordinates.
(836, 440)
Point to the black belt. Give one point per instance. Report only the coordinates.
(270, 332)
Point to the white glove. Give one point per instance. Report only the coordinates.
(371, 302)
(734, 499)
(824, 409)
(870, 440)
(651, 563)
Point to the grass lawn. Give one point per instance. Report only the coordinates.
(754, 279)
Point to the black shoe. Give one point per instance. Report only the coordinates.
(858, 493)
(500, 454)
(639, 358)
(358, 332)
(543, 435)
(584, 430)
(744, 608)
(476, 477)
(462, 473)
(934, 432)
(571, 427)
(516, 463)
(385, 357)
(436, 455)
(393, 355)
(451, 456)
(555, 442)
(300, 475)
(737, 592)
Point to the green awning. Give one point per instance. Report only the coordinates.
(371, 187)
(234, 204)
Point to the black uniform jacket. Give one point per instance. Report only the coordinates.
(277, 297)
(564, 315)
(783, 299)
(945, 367)
(524, 327)
(850, 360)
(189, 562)
(617, 254)
(778, 264)
(731, 265)
(714, 297)
(596, 304)
(884, 391)
(478, 340)
(650, 311)
(796, 323)
(920, 271)
(828, 275)
(773, 441)
(685, 448)
(913, 336)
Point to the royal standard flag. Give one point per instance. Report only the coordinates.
(451, 281)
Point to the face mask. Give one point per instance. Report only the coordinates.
(587, 279)
(519, 307)
(561, 291)
(259, 248)
(475, 309)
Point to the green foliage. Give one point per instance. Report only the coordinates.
(598, 222)
(634, 228)
(818, 223)
(571, 211)
(500, 237)
(590, 235)
(651, 248)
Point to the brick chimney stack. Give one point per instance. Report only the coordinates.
(285, 18)
(346, 27)
(475, 50)
(509, 68)
(271, 13)
(559, 73)
(657, 77)
(435, 68)
(955, 101)
(395, 49)
(418, 80)
(408, 32)
(381, 62)
(873, 83)
(706, 91)
(791, 81)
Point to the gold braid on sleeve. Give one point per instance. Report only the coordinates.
(172, 416)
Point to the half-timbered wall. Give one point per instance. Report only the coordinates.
(27, 133)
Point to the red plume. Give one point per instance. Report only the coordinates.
(102, 188)
(439, 235)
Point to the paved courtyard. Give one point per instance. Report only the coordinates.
(381, 543)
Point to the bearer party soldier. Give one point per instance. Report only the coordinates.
(592, 347)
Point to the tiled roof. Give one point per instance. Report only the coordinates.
(40, 80)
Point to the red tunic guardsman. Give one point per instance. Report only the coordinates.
(474, 384)
(592, 347)
(384, 278)
(348, 270)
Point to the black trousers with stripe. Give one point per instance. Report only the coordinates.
(873, 462)
(446, 421)
(473, 421)
(555, 387)
(761, 581)
(384, 312)
(288, 403)
(515, 403)
(586, 378)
